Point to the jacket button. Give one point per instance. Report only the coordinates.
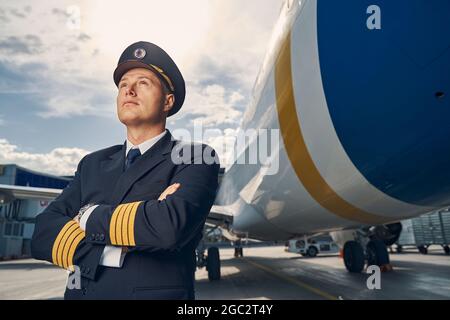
(102, 237)
(82, 269)
(93, 236)
(97, 237)
(87, 270)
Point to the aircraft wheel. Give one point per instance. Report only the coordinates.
(354, 257)
(213, 264)
(377, 253)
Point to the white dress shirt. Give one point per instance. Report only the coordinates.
(113, 256)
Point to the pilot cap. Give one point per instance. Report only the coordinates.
(149, 56)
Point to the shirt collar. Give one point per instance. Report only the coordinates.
(144, 146)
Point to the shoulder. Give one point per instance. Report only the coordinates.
(102, 154)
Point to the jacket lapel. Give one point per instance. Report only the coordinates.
(112, 168)
(150, 159)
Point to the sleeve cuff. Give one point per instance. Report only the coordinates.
(65, 244)
(85, 217)
(112, 257)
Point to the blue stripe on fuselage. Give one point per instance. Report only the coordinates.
(380, 87)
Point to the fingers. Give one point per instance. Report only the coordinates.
(169, 190)
(174, 187)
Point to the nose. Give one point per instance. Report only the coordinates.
(130, 91)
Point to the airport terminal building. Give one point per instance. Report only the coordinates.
(17, 216)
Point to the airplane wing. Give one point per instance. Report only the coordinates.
(218, 215)
(10, 192)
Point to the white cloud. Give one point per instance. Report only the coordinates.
(59, 161)
(223, 67)
(232, 34)
(84, 100)
(213, 105)
(60, 106)
(238, 37)
(219, 46)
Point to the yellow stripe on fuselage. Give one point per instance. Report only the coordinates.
(297, 151)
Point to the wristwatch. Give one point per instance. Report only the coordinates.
(83, 210)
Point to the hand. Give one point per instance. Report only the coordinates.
(170, 190)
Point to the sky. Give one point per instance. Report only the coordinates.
(57, 57)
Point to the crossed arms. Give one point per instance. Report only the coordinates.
(166, 224)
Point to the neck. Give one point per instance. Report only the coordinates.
(137, 135)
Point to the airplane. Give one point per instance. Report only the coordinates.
(359, 91)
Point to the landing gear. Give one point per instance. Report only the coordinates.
(211, 261)
(213, 264)
(238, 250)
(354, 257)
(376, 253)
(367, 244)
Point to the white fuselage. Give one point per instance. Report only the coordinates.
(316, 188)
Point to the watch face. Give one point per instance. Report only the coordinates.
(84, 209)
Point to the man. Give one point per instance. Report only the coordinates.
(134, 214)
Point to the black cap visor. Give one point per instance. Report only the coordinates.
(133, 64)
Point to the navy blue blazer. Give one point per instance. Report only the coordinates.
(161, 236)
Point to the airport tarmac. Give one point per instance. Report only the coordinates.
(267, 273)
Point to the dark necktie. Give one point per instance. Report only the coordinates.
(132, 156)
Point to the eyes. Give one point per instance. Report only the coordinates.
(140, 82)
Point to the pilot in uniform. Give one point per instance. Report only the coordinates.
(130, 221)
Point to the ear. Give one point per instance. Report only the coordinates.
(168, 104)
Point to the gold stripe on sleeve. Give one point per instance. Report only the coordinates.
(58, 240)
(124, 228)
(131, 239)
(112, 226)
(68, 245)
(62, 243)
(72, 249)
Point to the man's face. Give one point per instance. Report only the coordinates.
(140, 98)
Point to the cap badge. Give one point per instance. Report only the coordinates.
(139, 53)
